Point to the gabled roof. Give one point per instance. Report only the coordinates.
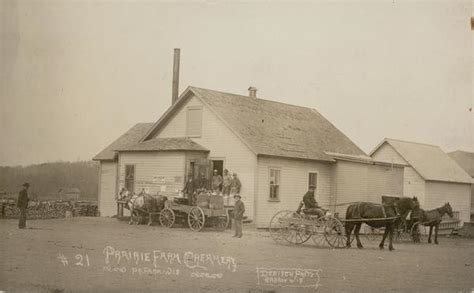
(131, 137)
(268, 127)
(465, 160)
(165, 144)
(428, 160)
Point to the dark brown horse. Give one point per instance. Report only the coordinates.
(432, 218)
(366, 212)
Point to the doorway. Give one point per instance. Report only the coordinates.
(219, 166)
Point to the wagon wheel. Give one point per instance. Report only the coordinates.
(221, 222)
(318, 232)
(135, 217)
(402, 233)
(167, 217)
(298, 230)
(418, 232)
(279, 225)
(196, 219)
(335, 233)
(371, 233)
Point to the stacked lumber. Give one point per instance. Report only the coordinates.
(216, 202)
(49, 209)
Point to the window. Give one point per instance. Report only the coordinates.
(194, 121)
(313, 180)
(274, 184)
(130, 177)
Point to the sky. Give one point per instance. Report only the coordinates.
(75, 75)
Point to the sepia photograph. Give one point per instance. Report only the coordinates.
(236, 146)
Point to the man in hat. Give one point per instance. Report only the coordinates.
(311, 205)
(227, 180)
(22, 205)
(239, 209)
(216, 182)
(235, 184)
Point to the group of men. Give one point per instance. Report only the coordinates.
(226, 184)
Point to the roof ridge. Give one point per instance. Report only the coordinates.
(257, 98)
(411, 142)
(461, 151)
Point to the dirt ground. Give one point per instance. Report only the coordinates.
(107, 255)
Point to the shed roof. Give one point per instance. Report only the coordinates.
(428, 160)
(129, 138)
(465, 160)
(166, 144)
(269, 127)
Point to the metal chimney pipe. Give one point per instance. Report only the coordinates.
(252, 92)
(175, 90)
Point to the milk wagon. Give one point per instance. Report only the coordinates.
(196, 217)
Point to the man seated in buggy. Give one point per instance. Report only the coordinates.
(311, 205)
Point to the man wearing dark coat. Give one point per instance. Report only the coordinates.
(311, 205)
(22, 205)
(239, 209)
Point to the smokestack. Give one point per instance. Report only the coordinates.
(175, 90)
(252, 92)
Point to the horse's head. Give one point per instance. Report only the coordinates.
(448, 209)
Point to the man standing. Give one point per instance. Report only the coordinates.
(22, 205)
(216, 182)
(311, 206)
(235, 184)
(239, 209)
(226, 182)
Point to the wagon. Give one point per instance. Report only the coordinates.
(297, 227)
(196, 217)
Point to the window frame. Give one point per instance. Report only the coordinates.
(134, 176)
(277, 199)
(193, 108)
(317, 182)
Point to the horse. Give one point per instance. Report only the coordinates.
(143, 204)
(432, 218)
(365, 211)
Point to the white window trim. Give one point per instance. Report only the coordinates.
(279, 185)
(187, 117)
(316, 194)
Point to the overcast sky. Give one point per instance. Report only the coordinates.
(75, 75)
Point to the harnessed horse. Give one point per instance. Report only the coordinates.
(432, 218)
(377, 215)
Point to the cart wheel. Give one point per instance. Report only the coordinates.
(135, 217)
(298, 231)
(418, 232)
(167, 218)
(318, 232)
(401, 233)
(196, 219)
(279, 225)
(371, 233)
(335, 233)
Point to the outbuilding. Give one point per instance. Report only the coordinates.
(431, 175)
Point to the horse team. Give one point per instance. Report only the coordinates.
(389, 216)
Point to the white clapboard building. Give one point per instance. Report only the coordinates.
(276, 149)
(431, 175)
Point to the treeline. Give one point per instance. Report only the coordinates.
(46, 179)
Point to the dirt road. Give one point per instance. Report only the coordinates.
(100, 254)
